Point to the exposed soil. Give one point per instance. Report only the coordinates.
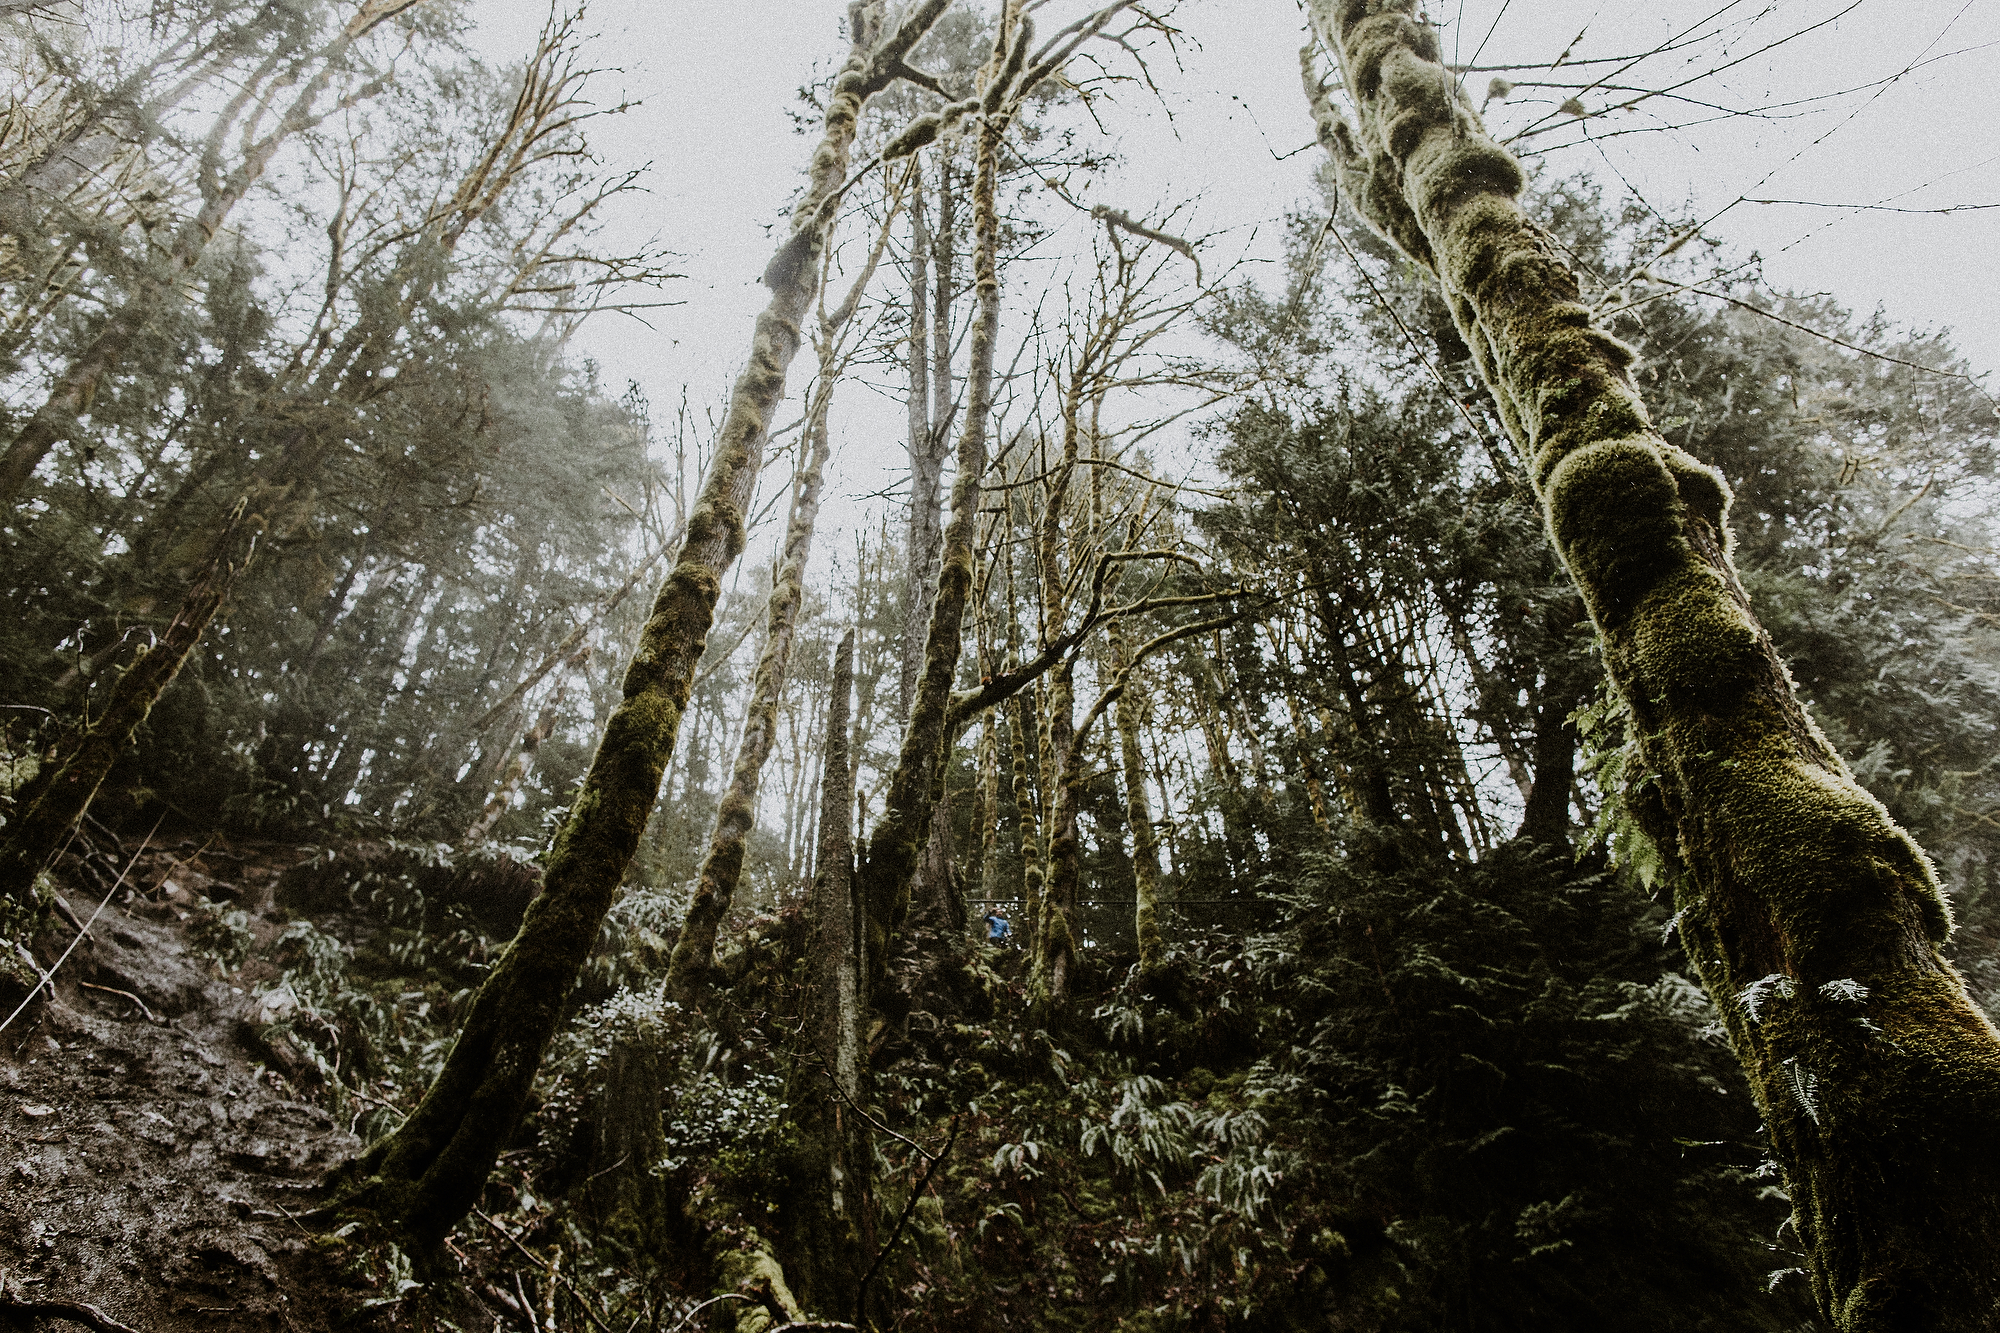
(153, 1155)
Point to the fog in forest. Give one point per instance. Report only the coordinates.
(961, 666)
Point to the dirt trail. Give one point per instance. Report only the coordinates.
(151, 1163)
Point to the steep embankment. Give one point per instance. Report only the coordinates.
(154, 1159)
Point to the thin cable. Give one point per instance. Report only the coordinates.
(1493, 452)
(48, 977)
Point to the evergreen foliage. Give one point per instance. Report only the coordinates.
(1355, 995)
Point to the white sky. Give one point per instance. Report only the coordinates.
(715, 82)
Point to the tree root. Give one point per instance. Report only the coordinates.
(76, 1312)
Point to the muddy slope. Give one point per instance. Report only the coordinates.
(152, 1163)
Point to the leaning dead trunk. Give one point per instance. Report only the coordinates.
(1814, 922)
(422, 1179)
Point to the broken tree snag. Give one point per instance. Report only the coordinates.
(826, 1215)
(421, 1179)
(1814, 922)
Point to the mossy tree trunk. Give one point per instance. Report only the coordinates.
(915, 787)
(693, 958)
(1813, 920)
(989, 807)
(933, 254)
(424, 1177)
(897, 845)
(1053, 949)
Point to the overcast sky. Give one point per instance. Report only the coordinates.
(715, 82)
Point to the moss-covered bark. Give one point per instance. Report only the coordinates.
(1814, 922)
(49, 805)
(1054, 945)
(897, 844)
(422, 1179)
(722, 869)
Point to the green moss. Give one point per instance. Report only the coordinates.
(426, 1175)
(1784, 868)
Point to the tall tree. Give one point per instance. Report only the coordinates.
(77, 383)
(422, 1179)
(1813, 920)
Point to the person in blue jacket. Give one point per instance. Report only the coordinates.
(999, 930)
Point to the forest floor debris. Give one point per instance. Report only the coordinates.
(155, 1164)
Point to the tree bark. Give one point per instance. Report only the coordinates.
(722, 870)
(521, 764)
(422, 1178)
(1813, 920)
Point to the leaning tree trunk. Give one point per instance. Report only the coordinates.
(425, 1176)
(1814, 922)
(49, 805)
(694, 951)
